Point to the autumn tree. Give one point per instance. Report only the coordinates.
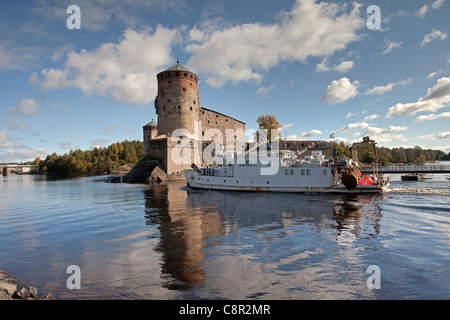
(269, 122)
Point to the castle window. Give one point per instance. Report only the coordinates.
(191, 76)
(203, 112)
(208, 121)
(170, 81)
(177, 74)
(191, 108)
(184, 89)
(217, 115)
(179, 107)
(185, 74)
(168, 100)
(226, 120)
(194, 102)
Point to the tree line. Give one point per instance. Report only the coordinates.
(365, 154)
(91, 162)
(389, 156)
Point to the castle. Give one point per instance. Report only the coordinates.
(178, 107)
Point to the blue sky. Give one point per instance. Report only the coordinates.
(315, 65)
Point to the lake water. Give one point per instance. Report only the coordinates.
(165, 242)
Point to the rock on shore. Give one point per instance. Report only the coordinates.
(8, 290)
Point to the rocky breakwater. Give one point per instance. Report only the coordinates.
(8, 290)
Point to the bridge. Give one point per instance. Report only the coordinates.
(22, 168)
(409, 169)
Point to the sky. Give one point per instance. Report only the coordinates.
(320, 67)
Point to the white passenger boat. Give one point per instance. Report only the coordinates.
(312, 174)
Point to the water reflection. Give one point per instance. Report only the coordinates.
(191, 221)
(184, 231)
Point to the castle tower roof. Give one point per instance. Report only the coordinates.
(178, 67)
(151, 124)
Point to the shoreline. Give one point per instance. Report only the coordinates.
(9, 290)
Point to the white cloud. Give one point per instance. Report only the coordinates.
(431, 136)
(99, 143)
(23, 155)
(350, 114)
(68, 146)
(444, 135)
(265, 91)
(245, 52)
(434, 74)
(6, 143)
(436, 98)
(60, 53)
(15, 57)
(371, 118)
(305, 135)
(442, 148)
(432, 116)
(125, 71)
(14, 125)
(437, 4)
(387, 137)
(388, 87)
(343, 67)
(310, 134)
(340, 91)
(110, 129)
(25, 107)
(287, 126)
(422, 11)
(383, 131)
(391, 45)
(434, 35)
(354, 126)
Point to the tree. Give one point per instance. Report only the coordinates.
(269, 122)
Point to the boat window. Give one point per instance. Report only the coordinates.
(286, 172)
(303, 172)
(324, 172)
(292, 172)
(308, 172)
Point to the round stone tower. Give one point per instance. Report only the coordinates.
(178, 102)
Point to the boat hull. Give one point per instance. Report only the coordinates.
(291, 189)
